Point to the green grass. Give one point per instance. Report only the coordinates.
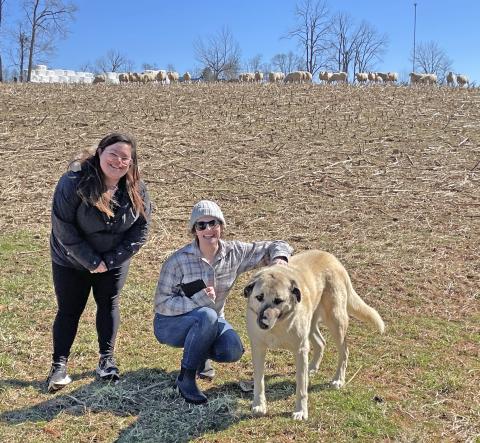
(422, 368)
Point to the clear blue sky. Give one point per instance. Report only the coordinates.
(161, 32)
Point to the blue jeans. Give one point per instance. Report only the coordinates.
(201, 334)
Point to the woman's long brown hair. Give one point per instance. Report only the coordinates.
(92, 188)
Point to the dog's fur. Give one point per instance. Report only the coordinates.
(287, 304)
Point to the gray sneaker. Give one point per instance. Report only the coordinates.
(107, 368)
(206, 371)
(57, 378)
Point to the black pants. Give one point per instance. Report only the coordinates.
(72, 288)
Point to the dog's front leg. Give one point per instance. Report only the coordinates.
(259, 405)
(301, 404)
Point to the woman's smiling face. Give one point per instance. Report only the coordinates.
(210, 235)
(115, 160)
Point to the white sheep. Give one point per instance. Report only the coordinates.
(149, 76)
(274, 77)
(187, 77)
(372, 76)
(429, 79)
(247, 77)
(339, 77)
(415, 78)
(387, 77)
(258, 76)
(100, 78)
(123, 77)
(324, 76)
(307, 76)
(294, 77)
(362, 77)
(134, 77)
(173, 76)
(162, 76)
(450, 79)
(392, 77)
(462, 80)
(383, 76)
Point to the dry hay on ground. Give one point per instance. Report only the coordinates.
(384, 177)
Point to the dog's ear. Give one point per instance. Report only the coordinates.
(295, 291)
(249, 288)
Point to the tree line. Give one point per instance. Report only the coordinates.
(330, 41)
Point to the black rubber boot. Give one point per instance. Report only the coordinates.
(187, 386)
(206, 370)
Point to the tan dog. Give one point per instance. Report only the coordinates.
(286, 306)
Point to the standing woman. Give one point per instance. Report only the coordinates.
(100, 216)
(192, 289)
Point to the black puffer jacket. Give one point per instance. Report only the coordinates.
(82, 236)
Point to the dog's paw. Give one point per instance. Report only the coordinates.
(259, 410)
(337, 384)
(300, 415)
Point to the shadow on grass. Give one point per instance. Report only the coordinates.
(36, 384)
(147, 394)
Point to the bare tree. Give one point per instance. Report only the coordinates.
(19, 57)
(47, 19)
(287, 62)
(254, 64)
(343, 41)
(20, 47)
(207, 75)
(220, 53)
(86, 67)
(149, 67)
(430, 58)
(311, 31)
(113, 61)
(369, 48)
(354, 48)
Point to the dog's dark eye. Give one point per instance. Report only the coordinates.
(259, 297)
(277, 301)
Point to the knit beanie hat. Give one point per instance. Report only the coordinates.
(205, 207)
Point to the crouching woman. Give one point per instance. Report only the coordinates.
(191, 292)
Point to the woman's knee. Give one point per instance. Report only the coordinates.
(207, 316)
(229, 348)
(235, 353)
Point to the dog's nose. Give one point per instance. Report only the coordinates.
(262, 324)
(263, 321)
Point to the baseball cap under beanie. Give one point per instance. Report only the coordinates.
(205, 207)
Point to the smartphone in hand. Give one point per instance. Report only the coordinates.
(192, 287)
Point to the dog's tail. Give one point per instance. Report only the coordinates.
(359, 309)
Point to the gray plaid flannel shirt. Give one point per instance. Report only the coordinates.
(187, 265)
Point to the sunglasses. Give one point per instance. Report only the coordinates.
(202, 225)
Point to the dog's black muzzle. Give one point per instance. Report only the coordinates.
(261, 318)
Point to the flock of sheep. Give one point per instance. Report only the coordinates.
(376, 77)
(163, 77)
(460, 79)
(431, 79)
(166, 77)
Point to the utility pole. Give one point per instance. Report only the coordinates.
(414, 32)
